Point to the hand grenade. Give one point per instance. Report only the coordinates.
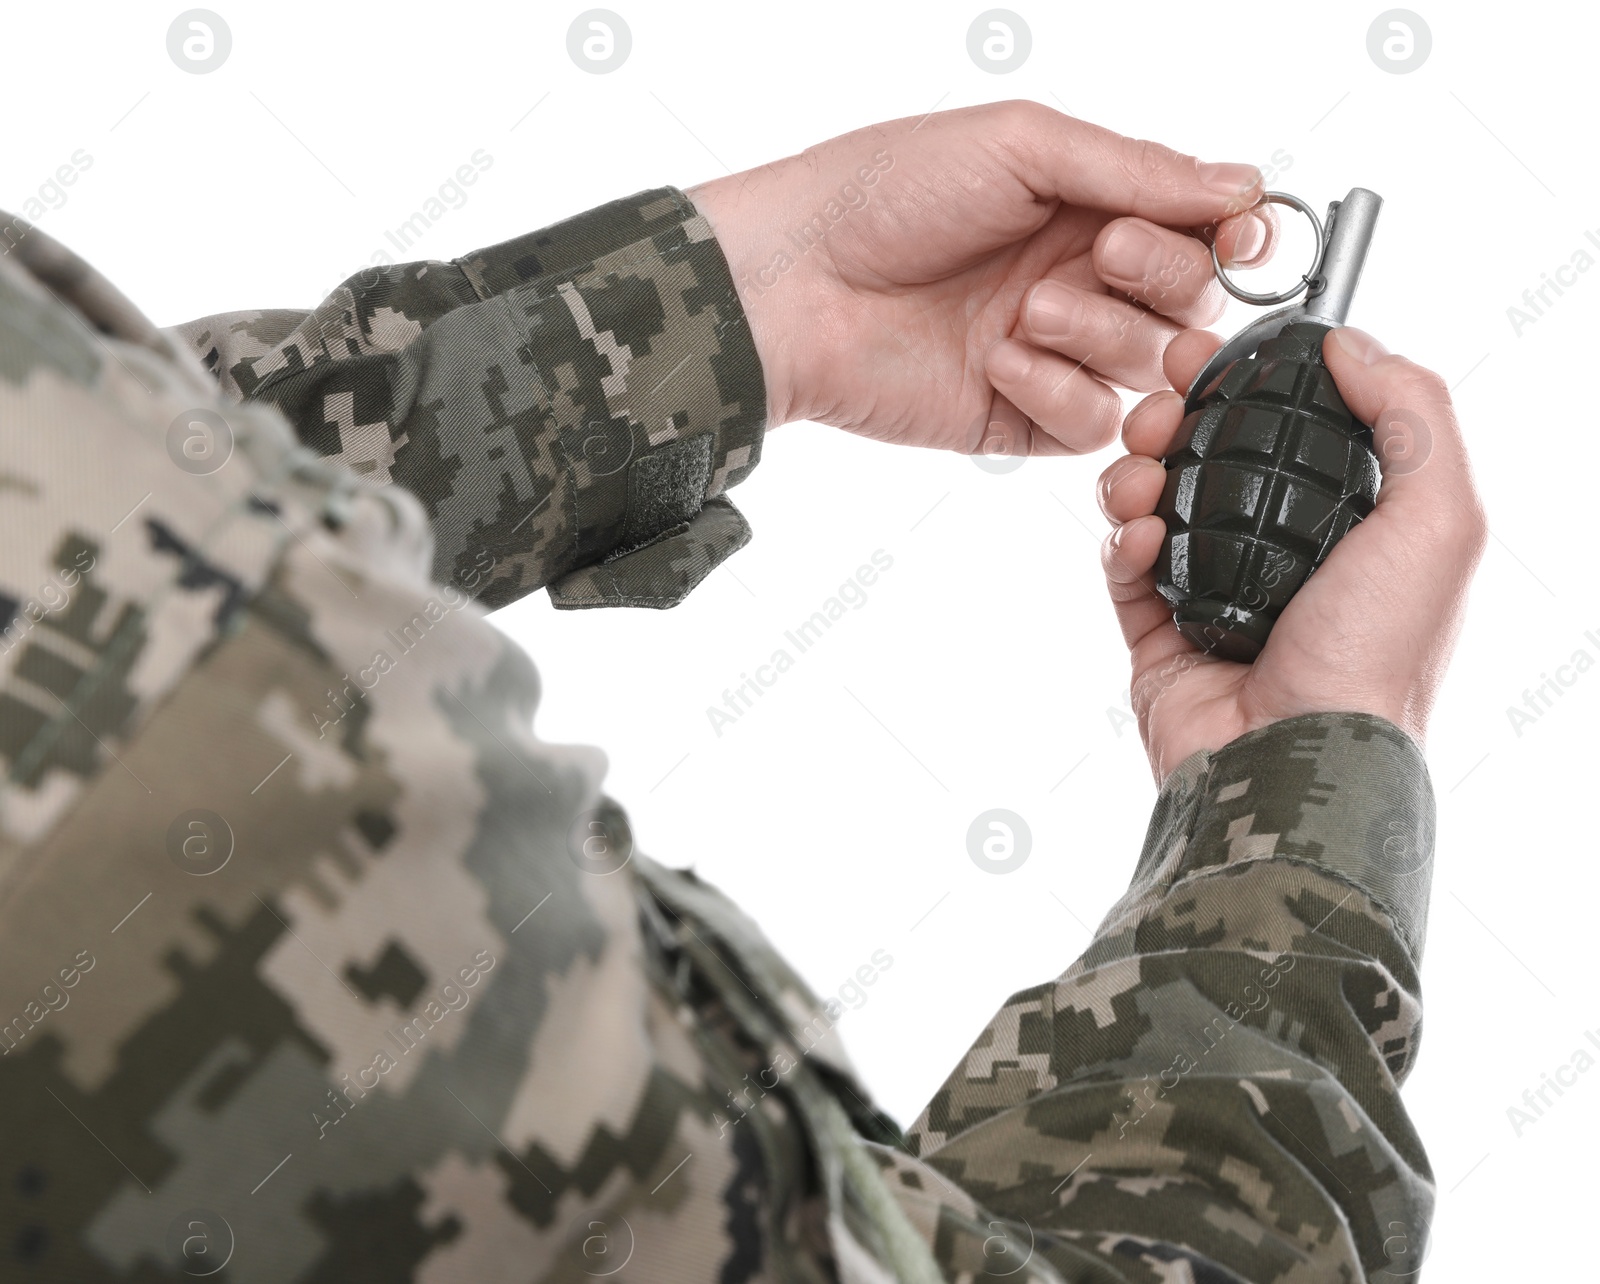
(1269, 468)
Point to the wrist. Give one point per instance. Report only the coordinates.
(772, 288)
(1407, 710)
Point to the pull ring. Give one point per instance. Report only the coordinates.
(1283, 296)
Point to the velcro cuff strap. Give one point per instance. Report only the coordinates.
(663, 572)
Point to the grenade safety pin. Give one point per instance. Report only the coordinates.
(1269, 468)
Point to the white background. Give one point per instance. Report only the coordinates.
(983, 668)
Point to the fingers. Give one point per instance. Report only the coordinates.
(1128, 492)
(1113, 337)
(1073, 411)
(1130, 488)
(1247, 240)
(1128, 558)
(1162, 269)
(1150, 426)
(1006, 431)
(1137, 347)
(1413, 422)
(1187, 355)
(1061, 157)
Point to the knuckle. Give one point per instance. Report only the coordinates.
(1208, 304)
(1064, 393)
(1473, 525)
(1422, 383)
(1107, 416)
(1155, 164)
(1020, 118)
(1087, 397)
(1153, 337)
(1453, 523)
(1108, 555)
(1432, 384)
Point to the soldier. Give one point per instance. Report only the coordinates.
(317, 965)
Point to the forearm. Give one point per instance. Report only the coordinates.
(571, 403)
(1219, 1072)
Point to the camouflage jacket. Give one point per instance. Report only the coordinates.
(317, 965)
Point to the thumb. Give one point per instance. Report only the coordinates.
(1415, 434)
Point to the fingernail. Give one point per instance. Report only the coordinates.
(1229, 179)
(1009, 361)
(1114, 540)
(1054, 310)
(1113, 477)
(1149, 406)
(1251, 241)
(1133, 254)
(1359, 345)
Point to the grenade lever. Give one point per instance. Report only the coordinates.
(1342, 243)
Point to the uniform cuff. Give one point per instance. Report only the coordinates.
(1348, 793)
(652, 379)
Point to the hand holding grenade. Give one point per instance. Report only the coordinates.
(1269, 468)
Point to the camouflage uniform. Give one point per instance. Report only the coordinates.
(317, 965)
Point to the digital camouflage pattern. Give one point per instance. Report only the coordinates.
(573, 395)
(317, 965)
(1215, 1082)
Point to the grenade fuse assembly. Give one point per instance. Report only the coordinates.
(1269, 469)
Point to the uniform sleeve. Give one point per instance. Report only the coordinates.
(570, 406)
(1212, 1090)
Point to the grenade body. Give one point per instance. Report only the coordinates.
(1264, 478)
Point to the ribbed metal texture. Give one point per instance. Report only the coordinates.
(1263, 480)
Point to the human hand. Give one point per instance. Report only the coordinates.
(966, 281)
(1372, 629)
